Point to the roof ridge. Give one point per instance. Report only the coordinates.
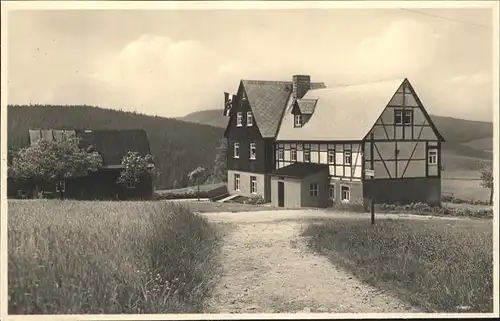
(266, 82)
(400, 80)
(274, 82)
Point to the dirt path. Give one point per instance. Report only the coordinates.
(268, 269)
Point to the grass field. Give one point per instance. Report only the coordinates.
(438, 265)
(467, 189)
(109, 257)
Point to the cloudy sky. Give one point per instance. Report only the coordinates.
(171, 63)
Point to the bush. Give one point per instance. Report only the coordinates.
(425, 209)
(109, 257)
(454, 200)
(436, 265)
(355, 207)
(255, 200)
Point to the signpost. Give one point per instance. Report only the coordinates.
(372, 172)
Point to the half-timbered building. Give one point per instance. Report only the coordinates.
(349, 144)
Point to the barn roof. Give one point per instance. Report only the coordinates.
(111, 144)
(341, 113)
(268, 100)
(300, 170)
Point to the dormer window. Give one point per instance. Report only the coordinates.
(239, 119)
(249, 118)
(298, 120)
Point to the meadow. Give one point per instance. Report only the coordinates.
(69, 257)
(437, 265)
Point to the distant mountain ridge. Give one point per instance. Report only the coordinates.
(466, 140)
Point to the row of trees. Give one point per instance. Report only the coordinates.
(53, 161)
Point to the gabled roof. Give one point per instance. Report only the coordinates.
(342, 113)
(268, 100)
(111, 144)
(300, 170)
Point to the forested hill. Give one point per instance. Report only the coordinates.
(178, 146)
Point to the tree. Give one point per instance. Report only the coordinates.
(219, 170)
(486, 176)
(197, 176)
(136, 167)
(53, 161)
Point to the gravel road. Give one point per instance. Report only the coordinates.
(268, 269)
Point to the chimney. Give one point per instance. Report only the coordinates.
(301, 84)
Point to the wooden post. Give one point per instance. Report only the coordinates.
(372, 209)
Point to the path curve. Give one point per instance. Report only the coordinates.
(267, 268)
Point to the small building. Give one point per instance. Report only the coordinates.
(376, 141)
(112, 145)
(300, 185)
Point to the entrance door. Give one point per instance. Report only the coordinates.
(281, 194)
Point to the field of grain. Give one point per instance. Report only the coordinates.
(109, 257)
(438, 265)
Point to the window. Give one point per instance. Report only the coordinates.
(236, 152)
(345, 193)
(61, 186)
(331, 157)
(249, 118)
(433, 156)
(398, 117)
(403, 117)
(331, 192)
(298, 120)
(130, 185)
(252, 151)
(293, 155)
(313, 190)
(253, 184)
(280, 154)
(407, 119)
(307, 155)
(239, 117)
(347, 157)
(237, 182)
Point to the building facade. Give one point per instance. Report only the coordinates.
(376, 141)
(255, 113)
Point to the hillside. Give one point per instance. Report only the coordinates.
(212, 117)
(207, 117)
(177, 146)
(467, 142)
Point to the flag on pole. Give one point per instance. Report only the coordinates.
(228, 101)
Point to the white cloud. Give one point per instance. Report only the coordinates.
(158, 74)
(403, 49)
(479, 78)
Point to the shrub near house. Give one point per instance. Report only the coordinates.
(105, 182)
(53, 162)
